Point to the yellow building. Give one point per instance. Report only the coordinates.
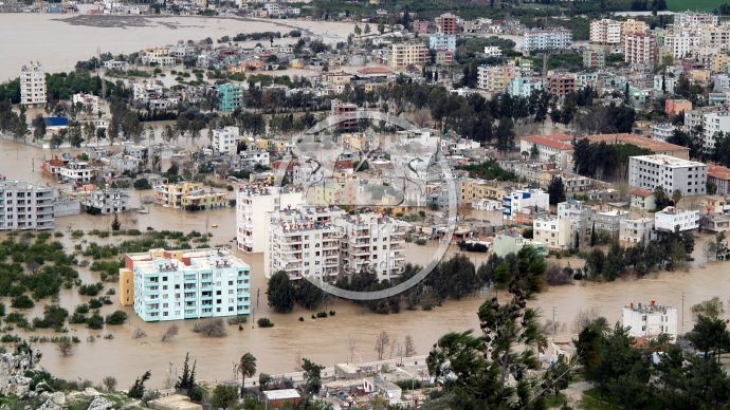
(718, 63)
(190, 196)
(474, 190)
(356, 142)
(700, 76)
(405, 54)
(126, 286)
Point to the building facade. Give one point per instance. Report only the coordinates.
(254, 206)
(106, 201)
(549, 39)
(636, 230)
(640, 49)
(33, 85)
(172, 285)
(670, 173)
(405, 54)
(191, 196)
(524, 204)
(594, 58)
(25, 206)
(650, 320)
(442, 42)
(671, 219)
(605, 32)
(525, 86)
(225, 140)
(230, 97)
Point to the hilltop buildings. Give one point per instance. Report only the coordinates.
(172, 285)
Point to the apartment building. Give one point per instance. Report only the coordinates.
(525, 86)
(605, 32)
(674, 107)
(642, 199)
(495, 79)
(372, 242)
(225, 140)
(597, 219)
(405, 54)
(25, 206)
(106, 201)
(230, 97)
(73, 172)
(89, 103)
(716, 38)
(571, 209)
(713, 123)
(32, 85)
(447, 23)
(640, 49)
(304, 242)
(442, 41)
(191, 196)
(652, 171)
(650, 320)
(671, 219)
(632, 26)
(720, 176)
(550, 148)
(345, 114)
(524, 205)
(662, 131)
(254, 205)
(594, 58)
(475, 190)
(173, 285)
(548, 39)
(680, 45)
(252, 158)
(555, 233)
(561, 83)
(690, 19)
(636, 230)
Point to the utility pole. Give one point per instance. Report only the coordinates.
(682, 327)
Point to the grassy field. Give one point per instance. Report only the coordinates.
(696, 5)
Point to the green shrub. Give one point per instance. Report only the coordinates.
(265, 322)
(116, 318)
(22, 302)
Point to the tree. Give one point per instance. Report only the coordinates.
(109, 383)
(186, 381)
(170, 333)
(357, 30)
(382, 340)
(676, 196)
(39, 127)
(65, 346)
(312, 376)
(116, 224)
(247, 368)
(410, 347)
(264, 380)
(224, 397)
(367, 29)
(710, 335)
(280, 292)
(381, 28)
(505, 134)
(711, 308)
(137, 390)
(487, 371)
(556, 190)
(534, 153)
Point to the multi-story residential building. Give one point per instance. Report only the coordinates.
(495, 79)
(33, 85)
(405, 54)
(447, 23)
(304, 242)
(594, 58)
(444, 58)
(173, 285)
(230, 97)
(586, 79)
(642, 199)
(712, 124)
(550, 148)
(73, 172)
(561, 83)
(525, 86)
(344, 114)
(599, 220)
(662, 131)
(640, 49)
(636, 230)
(524, 205)
(225, 140)
(720, 176)
(716, 38)
(253, 208)
(474, 190)
(680, 45)
(253, 158)
(442, 41)
(671, 219)
(674, 107)
(652, 171)
(632, 26)
(191, 196)
(665, 84)
(372, 242)
(650, 320)
(605, 32)
(571, 209)
(89, 103)
(690, 19)
(556, 233)
(106, 201)
(548, 39)
(25, 206)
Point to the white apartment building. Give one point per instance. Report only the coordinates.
(89, 103)
(106, 201)
(116, 65)
(492, 51)
(636, 230)
(405, 54)
(670, 218)
(253, 208)
(712, 123)
(640, 49)
(662, 131)
(225, 140)
(175, 285)
(304, 242)
(680, 45)
(496, 79)
(650, 320)
(605, 32)
(555, 233)
(32, 85)
(524, 201)
(372, 242)
(694, 19)
(25, 206)
(441, 41)
(549, 39)
(671, 173)
(571, 209)
(252, 158)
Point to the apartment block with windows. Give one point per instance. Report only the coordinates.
(650, 320)
(25, 206)
(254, 205)
(225, 140)
(670, 173)
(191, 196)
(548, 39)
(173, 285)
(405, 54)
(442, 42)
(33, 85)
(106, 201)
(230, 97)
(605, 32)
(640, 49)
(636, 230)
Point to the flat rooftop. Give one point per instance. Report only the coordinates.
(668, 161)
(639, 141)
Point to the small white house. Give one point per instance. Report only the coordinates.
(671, 218)
(650, 320)
(225, 140)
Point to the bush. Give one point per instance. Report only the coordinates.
(54, 316)
(95, 303)
(22, 302)
(211, 328)
(95, 321)
(265, 322)
(321, 314)
(116, 318)
(8, 338)
(237, 320)
(91, 289)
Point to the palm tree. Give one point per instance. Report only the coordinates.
(247, 368)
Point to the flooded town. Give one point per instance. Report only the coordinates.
(325, 205)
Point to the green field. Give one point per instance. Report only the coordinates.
(695, 5)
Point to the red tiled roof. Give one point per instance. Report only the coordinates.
(374, 70)
(557, 141)
(641, 192)
(718, 172)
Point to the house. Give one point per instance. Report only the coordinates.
(670, 173)
(636, 230)
(550, 148)
(650, 320)
(511, 241)
(720, 177)
(276, 399)
(642, 199)
(671, 219)
(225, 140)
(524, 205)
(555, 233)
